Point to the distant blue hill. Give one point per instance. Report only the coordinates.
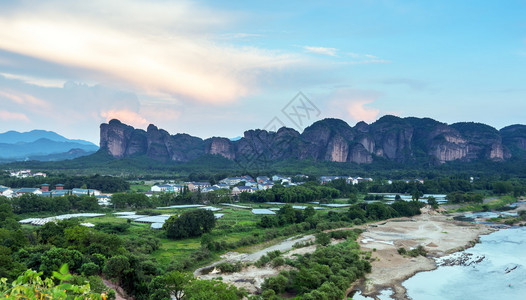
(13, 137)
(41, 144)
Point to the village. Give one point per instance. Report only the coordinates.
(235, 185)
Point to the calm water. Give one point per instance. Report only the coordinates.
(499, 274)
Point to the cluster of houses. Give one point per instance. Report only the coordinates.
(44, 191)
(356, 180)
(248, 184)
(349, 180)
(236, 185)
(26, 173)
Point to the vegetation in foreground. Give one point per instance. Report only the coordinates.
(135, 257)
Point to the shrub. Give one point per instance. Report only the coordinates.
(89, 269)
(278, 261)
(323, 239)
(229, 268)
(340, 234)
(417, 251)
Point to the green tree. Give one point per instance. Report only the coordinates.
(89, 269)
(189, 224)
(353, 198)
(117, 267)
(176, 282)
(323, 239)
(432, 202)
(204, 289)
(56, 257)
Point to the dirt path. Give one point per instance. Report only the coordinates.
(233, 257)
(120, 294)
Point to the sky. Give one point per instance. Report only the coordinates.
(218, 68)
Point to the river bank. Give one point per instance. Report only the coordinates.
(439, 235)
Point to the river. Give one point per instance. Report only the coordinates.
(493, 269)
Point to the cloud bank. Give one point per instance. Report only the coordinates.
(157, 49)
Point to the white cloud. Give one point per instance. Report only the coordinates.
(363, 59)
(368, 61)
(359, 112)
(411, 83)
(44, 82)
(239, 35)
(321, 50)
(160, 49)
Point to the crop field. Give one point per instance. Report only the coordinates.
(236, 224)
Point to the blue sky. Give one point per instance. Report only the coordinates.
(216, 69)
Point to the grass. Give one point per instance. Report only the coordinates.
(235, 225)
(140, 187)
(493, 204)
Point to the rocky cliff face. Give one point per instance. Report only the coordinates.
(514, 139)
(220, 146)
(116, 137)
(397, 139)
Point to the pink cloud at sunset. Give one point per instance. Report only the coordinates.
(159, 59)
(359, 112)
(125, 116)
(12, 116)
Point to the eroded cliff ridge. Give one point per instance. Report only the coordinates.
(392, 138)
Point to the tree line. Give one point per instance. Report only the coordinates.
(106, 184)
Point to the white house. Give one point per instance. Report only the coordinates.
(195, 186)
(22, 191)
(261, 179)
(232, 180)
(240, 189)
(326, 179)
(282, 179)
(6, 192)
(21, 173)
(104, 200)
(90, 192)
(265, 185)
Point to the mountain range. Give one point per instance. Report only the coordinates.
(41, 145)
(403, 140)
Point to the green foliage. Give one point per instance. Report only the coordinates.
(117, 267)
(266, 258)
(30, 285)
(89, 269)
(323, 239)
(189, 224)
(413, 252)
(226, 267)
(324, 274)
(268, 222)
(111, 227)
(459, 197)
(132, 200)
(432, 202)
(295, 194)
(343, 234)
(56, 257)
(106, 184)
(204, 289)
(277, 261)
(29, 203)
